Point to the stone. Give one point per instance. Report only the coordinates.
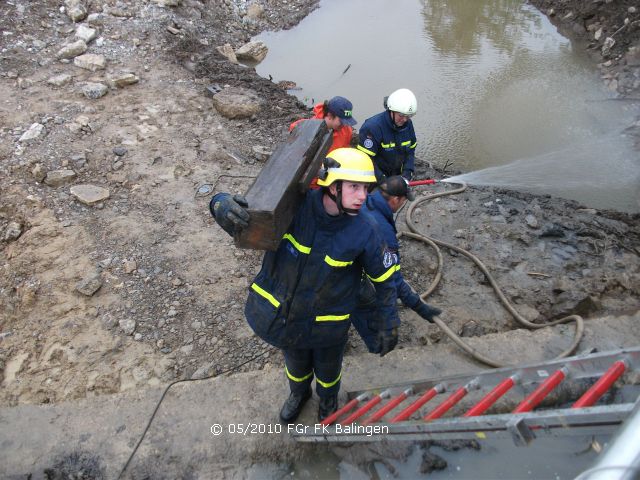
(632, 57)
(89, 194)
(76, 10)
(598, 34)
(94, 90)
(255, 11)
(167, 3)
(38, 172)
(130, 266)
(57, 178)
(72, 50)
(261, 153)
(252, 52)
(34, 131)
(532, 222)
(120, 151)
(608, 44)
(90, 284)
(90, 61)
(226, 51)
(237, 102)
(127, 325)
(60, 80)
(123, 79)
(12, 231)
(85, 33)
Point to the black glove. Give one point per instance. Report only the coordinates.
(426, 311)
(387, 340)
(230, 213)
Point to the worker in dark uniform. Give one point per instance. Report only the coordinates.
(389, 198)
(302, 299)
(389, 138)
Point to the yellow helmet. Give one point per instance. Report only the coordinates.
(347, 164)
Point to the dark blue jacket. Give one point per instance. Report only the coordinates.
(305, 292)
(392, 149)
(378, 207)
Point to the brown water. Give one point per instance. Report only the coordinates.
(495, 83)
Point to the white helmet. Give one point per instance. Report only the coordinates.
(403, 101)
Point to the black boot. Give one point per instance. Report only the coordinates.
(327, 406)
(293, 406)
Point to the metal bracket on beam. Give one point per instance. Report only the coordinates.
(521, 434)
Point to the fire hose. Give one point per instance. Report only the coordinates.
(434, 243)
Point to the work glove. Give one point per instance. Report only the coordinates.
(387, 340)
(230, 212)
(426, 311)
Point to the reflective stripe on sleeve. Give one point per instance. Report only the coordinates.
(336, 263)
(263, 293)
(387, 145)
(414, 145)
(332, 318)
(385, 275)
(404, 144)
(368, 152)
(329, 384)
(297, 379)
(294, 242)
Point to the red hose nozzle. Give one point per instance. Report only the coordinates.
(428, 181)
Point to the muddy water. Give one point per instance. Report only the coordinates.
(495, 83)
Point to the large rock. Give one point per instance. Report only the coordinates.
(90, 284)
(121, 80)
(89, 194)
(60, 80)
(74, 49)
(252, 52)
(236, 102)
(35, 130)
(76, 10)
(57, 178)
(226, 51)
(94, 90)
(85, 33)
(90, 61)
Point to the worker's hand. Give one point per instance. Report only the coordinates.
(230, 212)
(427, 311)
(387, 340)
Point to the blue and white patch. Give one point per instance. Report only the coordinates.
(388, 259)
(368, 143)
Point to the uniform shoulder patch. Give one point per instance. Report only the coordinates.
(388, 259)
(368, 143)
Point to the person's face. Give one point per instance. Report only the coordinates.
(399, 119)
(332, 121)
(354, 194)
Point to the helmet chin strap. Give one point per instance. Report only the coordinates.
(338, 200)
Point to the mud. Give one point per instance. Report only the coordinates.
(170, 284)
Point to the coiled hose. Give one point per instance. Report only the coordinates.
(414, 234)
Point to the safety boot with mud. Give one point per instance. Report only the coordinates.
(327, 406)
(293, 406)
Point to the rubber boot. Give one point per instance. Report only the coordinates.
(327, 406)
(293, 406)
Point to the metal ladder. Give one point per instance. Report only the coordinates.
(400, 412)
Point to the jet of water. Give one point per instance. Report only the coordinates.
(603, 173)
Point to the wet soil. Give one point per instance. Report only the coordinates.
(171, 284)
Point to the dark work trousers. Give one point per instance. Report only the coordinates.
(326, 363)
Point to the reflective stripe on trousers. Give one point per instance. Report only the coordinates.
(326, 363)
